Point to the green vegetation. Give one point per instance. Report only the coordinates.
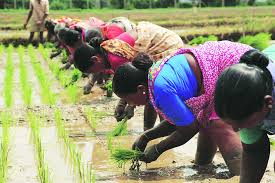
(122, 156)
(47, 96)
(226, 23)
(139, 4)
(85, 173)
(43, 170)
(259, 41)
(72, 92)
(25, 85)
(8, 85)
(4, 149)
(120, 129)
(201, 40)
(1, 49)
(67, 79)
(91, 117)
(109, 87)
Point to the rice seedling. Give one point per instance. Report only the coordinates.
(8, 85)
(4, 149)
(120, 129)
(43, 170)
(26, 88)
(66, 78)
(47, 96)
(72, 92)
(202, 39)
(75, 75)
(85, 172)
(121, 156)
(109, 87)
(259, 41)
(65, 57)
(54, 66)
(1, 49)
(91, 117)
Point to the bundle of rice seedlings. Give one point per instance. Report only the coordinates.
(120, 129)
(121, 156)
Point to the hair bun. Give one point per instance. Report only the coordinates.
(95, 42)
(142, 61)
(78, 29)
(255, 57)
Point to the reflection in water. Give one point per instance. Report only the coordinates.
(173, 165)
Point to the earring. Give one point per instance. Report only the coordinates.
(144, 93)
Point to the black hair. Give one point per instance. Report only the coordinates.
(130, 75)
(61, 33)
(82, 57)
(95, 32)
(241, 88)
(49, 25)
(72, 36)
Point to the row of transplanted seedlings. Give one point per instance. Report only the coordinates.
(8, 81)
(34, 121)
(43, 170)
(25, 85)
(6, 117)
(6, 120)
(66, 79)
(85, 172)
(48, 96)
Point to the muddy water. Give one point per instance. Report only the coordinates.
(175, 165)
(22, 163)
(60, 169)
(17, 92)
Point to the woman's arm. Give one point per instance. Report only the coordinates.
(179, 137)
(254, 160)
(161, 130)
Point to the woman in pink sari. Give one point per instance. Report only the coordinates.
(181, 89)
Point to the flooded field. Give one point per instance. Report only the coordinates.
(64, 132)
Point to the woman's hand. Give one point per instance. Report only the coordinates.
(151, 154)
(129, 111)
(141, 143)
